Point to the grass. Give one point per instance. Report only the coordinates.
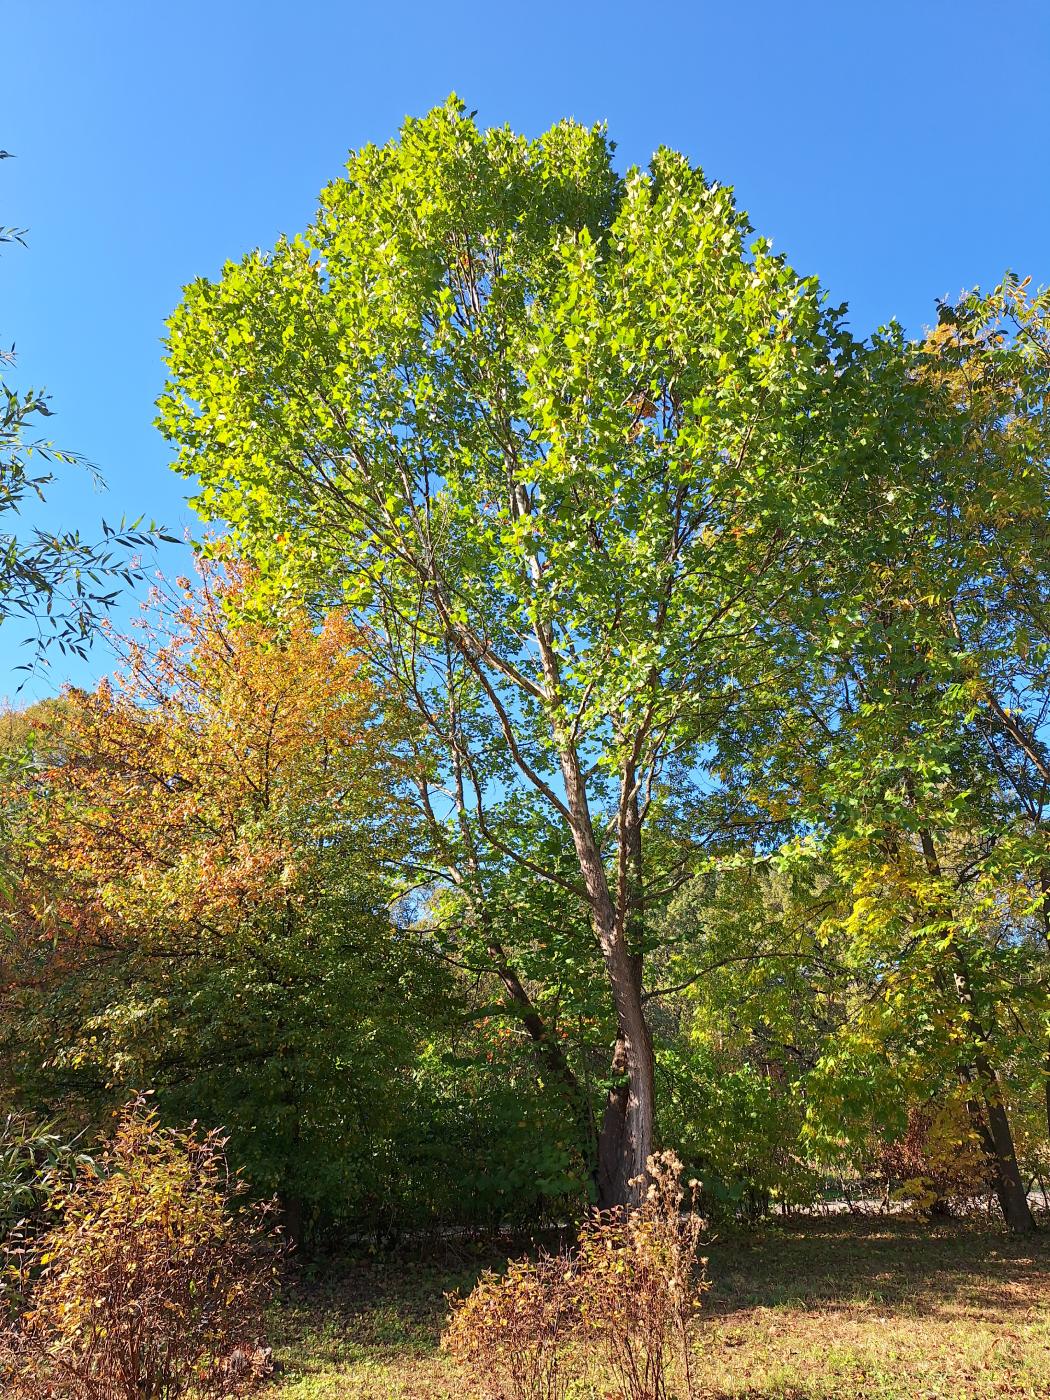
(814, 1310)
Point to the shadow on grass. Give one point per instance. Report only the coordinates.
(346, 1309)
(906, 1266)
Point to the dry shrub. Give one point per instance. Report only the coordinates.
(639, 1280)
(629, 1291)
(151, 1285)
(509, 1332)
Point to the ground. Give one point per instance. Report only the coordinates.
(806, 1310)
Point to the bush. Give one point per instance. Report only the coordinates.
(638, 1283)
(151, 1283)
(632, 1287)
(509, 1332)
(938, 1160)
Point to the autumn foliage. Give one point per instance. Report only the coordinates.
(201, 899)
(938, 1159)
(191, 793)
(153, 1281)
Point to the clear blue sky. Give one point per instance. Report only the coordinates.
(901, 151)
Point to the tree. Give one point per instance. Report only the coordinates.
(904, 724)
(204, 853)
(759, 993)
(554, 437)
(989, 360)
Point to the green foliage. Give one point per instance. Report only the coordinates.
(547, 393)
(37, 1163)
(557, 438)
(626, 669)
(206, 917)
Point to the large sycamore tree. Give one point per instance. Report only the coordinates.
(553, 435)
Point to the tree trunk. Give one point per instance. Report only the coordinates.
(626, 1139)
(613, 1130)
(1009, 1188)
(993, 1127)
(1013, 1199)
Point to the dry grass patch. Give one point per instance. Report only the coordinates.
(813, 1310)
(893, 1310)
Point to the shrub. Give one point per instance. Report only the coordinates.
(631, 1287)
(151, 1283)
(639, 1282)
(938, 1159)
(509, 1332)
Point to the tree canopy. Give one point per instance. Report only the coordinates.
(558, 439)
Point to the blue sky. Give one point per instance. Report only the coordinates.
(901, 151)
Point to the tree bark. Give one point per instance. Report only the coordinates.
(632, 1130)
(611, 1136)
(999, 1150)
(1009, 1188)
(625, 1141)
(1013, 1198)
